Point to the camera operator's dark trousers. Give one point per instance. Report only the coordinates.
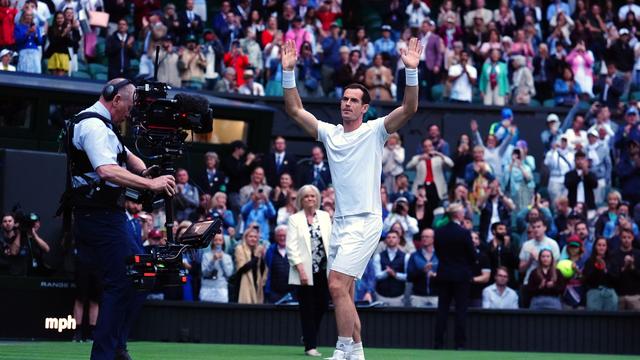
(458, 292)
(314, 301)
(103, 240)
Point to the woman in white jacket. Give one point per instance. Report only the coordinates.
(307, 250)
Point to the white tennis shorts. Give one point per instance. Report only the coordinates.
(353, 241)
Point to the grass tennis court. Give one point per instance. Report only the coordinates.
(175, 351)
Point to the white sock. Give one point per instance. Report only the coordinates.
(357, 348)
(344, 343)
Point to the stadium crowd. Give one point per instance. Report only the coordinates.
(578, 206)
(521, 52)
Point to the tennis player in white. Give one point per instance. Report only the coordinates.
(354, 150)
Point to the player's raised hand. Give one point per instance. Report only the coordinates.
(289, 55)
(411, 55)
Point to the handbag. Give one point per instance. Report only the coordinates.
(90, 41)
(98, 18)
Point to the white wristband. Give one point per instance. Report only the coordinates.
(288, 79)
(411, 76)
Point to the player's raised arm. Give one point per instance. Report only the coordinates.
(292, 102)
(398, 117)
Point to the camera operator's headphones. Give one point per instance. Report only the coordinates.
(110, 91)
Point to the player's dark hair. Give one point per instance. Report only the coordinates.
(366, 98)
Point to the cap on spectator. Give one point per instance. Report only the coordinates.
(593, 132)
(248, 73)
(207, 31)
(402, 199)
(155, 234)
(385, 28)
(5, 52)
(624, 31)
(451, 19)
(553, 118)
(157, 13)
(522, 144)
(235, 43)
(431, 22)
(298, 18)
(334, 24)
(344, 49)
(190, 38)
(630, 111)
(574, 240)
(507, 39)
(167, 37)
(507, 113)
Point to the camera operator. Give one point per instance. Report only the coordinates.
(9, 260)
(100, 166)
(35, 247)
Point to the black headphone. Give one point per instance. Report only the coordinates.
(110, 91)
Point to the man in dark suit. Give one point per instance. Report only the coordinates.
(581, 174)
(120, 50)
(608, 88)
(457, 256)
(212, 179)
(190, 22)
(317, 172)
(279, 162)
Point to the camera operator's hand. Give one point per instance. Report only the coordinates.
(164, 184)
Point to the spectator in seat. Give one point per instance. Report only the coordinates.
(192, 64)
(390, 267)
(480, 11)
(228, 83)
(385, 44)
(237, 60)
(119, 50)
(392, 161)
(496, 208)
(171, 21)
(461, 158)
(288, 209)
(499, 296)
(203, 212)
(28, 40)
(252, 48)
(581, 182)
(186, 199)
(621, 54)
(566, 89)
(251, 268)
(218, 209)
(546, 283)
(277, 285)
(352, 72)
(518, 179)
(503, 253)
(610, 214)
(495, 149)
(400, 214)
(522, 88)
(378, 80)
(190, 22)
(402, 190)
(610, 86)
(559, 160)
(532, 248)
(6, 56)
(309, 72)
(61, 36)
(236, 165)
(625, 273)
(463, 77)
(168, 68)
(432, 56)
(478, 174)
(317, 172)
(599, 159)
(212, 179)
(422, 268)
(258, 209)
(598, 279)
(439, 143)
(494, 82)
(11, 245)
(332, 48)
(481, 272)
(257, 185)
(250, 86)
(8, 12)
(279, 162)
(544, 73)
(430, 167)
(307, 249)
(417, 11)
(298, 33)
(217, 268)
